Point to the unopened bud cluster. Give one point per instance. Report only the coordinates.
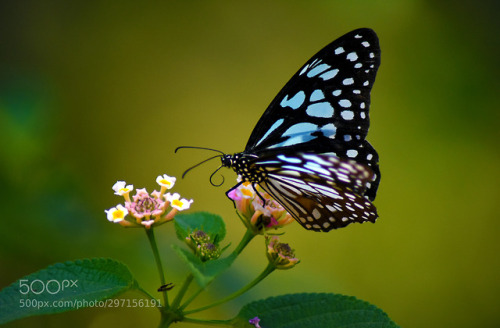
(202, 246)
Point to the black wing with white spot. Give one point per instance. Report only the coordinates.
(322, 192)
(324, 108)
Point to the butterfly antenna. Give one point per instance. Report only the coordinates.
(192, 167)
(203, 148)
(212, 176)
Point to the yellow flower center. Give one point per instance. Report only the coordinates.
(165, 182)
(247, 192)
(117, 214)
(177, 202)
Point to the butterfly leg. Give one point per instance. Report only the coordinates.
(234, 187)
(258, 194)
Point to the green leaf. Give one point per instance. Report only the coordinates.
(204, 272)
(211, 224)
(64, 287)
(313, 310)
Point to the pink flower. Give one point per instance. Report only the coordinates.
(257, 214)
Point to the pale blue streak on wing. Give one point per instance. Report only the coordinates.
(271, 129)
(295, 102)
(298, 133)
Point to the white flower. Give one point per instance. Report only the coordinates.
(116, 214)
(177, 203)
(120, 188)
(165, 181)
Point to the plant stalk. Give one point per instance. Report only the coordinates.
(159, 266)
(270, 268)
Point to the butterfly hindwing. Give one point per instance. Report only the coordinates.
(322, 192)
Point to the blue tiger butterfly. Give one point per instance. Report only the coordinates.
(308, 150)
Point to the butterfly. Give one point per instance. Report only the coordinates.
(308, 150)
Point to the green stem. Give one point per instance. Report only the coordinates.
(191, 298)
(145, 292)
(270, 268)
(208, 322)
(159, 266)
(249, 234)
(178, 298)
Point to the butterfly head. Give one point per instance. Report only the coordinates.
(242, 164)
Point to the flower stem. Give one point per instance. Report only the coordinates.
(145, 292)
(249, 234)
(191, 298)
(270, 268)
(159, 266)
(178, 298)
(208, 322)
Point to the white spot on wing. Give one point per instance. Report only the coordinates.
(322, 109)
(348, 81)
(329, 74)
(347, 114)
(352, 56)
(352, 153)
(345, 103)
(339, 50)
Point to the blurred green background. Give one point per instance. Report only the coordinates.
(95, 92)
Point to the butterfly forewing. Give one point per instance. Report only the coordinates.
(321, 192)
(325, 104)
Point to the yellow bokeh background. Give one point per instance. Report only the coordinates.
(95, 92)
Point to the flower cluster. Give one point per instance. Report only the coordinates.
(258, 215)
(144, 209)
(280, 254)
(200, 243)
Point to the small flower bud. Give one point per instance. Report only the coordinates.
(280, 254)
(208, 251)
